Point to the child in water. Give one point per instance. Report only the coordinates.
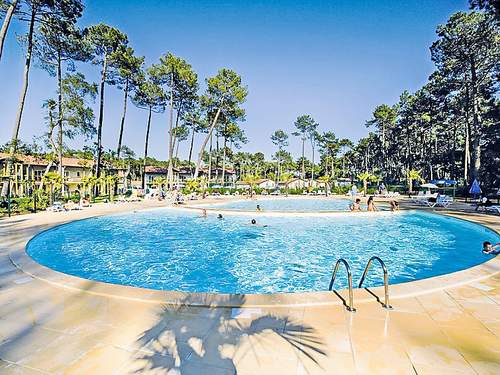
(488, 248)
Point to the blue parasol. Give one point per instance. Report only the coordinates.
(475, 189)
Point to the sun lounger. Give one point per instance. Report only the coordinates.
(443, 201)
(69, 206)
(495, 209)
(56, 207)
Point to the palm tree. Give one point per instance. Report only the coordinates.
(251, 180)
(111, 181)
(88, 184)
(413, 175)
(55, 181)
(286, 178)
(192, 185)
(325, 180)
(159, 182)
(366, 177)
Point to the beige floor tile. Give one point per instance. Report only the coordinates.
(27, 343)
(20, 370)
(423, 369)
(148, 364)
(333, 363)
(58, 354)
(99, 360)
(469, 293)
(485, 312)
(479, 347)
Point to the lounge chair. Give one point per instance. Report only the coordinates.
(56, 207)
(442, 200)
(70, 205)
(494, 209)
(418, 198)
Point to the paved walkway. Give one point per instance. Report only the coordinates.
(49, 329)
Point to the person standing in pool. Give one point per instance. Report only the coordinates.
(356, 206)
(394, 205)
(204, 213)
(371, 205)
(488, 248)
(258, 208)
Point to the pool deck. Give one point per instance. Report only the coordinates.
(51, 323)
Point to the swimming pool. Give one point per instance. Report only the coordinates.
(292, 204)
(175, 249)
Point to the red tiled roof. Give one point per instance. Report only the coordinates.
(36, 160)
(157, 170)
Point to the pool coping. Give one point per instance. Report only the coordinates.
(21, 260)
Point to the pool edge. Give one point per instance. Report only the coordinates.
(22, 261)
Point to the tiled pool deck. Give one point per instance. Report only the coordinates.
(52, 323)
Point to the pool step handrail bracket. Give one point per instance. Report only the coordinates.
(350, 306)
(386, 303)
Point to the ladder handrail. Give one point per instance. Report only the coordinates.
(386, 279)
(349, 307)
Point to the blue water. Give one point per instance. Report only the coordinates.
(296, 204)
(171, 249)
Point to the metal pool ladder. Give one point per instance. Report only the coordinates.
(350, 306)
(386, 279)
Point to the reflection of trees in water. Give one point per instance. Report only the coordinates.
(210, 336)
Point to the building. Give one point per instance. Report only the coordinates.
(182, 174)
(263, 183)
(28, 172)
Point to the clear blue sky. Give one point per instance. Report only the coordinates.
(335, 60)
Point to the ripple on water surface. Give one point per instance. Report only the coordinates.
(175, 250)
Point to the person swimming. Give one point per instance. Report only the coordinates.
(219, 216)
(258, 208)
(355, 206)
(488, 248)
(253, 222)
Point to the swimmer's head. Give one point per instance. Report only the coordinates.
(486, 245)
(254, 221)
(219, 216)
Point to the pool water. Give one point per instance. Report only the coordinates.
(293, 204)
(175, 249)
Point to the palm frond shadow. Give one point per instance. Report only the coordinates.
(185, 334)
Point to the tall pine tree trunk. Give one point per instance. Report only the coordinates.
(22, 100)
(60, 121)
(101, 117)
(170, 176)
(312, 167)
(6, 23)
(303, 161)
(122, 124)
(205, 141)
(146, 142)
(210, 160)
(224, 161)
(475, 164)
(191, 151)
